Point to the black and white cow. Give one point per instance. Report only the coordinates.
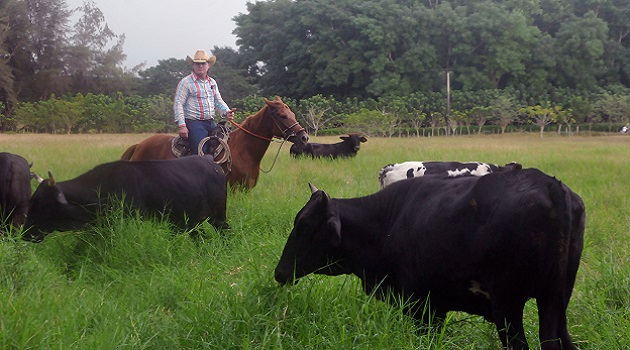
(188, 190)
(400, 171)
(15, 188)
(349, 147)
(482, 245)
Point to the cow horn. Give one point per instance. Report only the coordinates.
(35, 176)
(51, 179)
(313, 188)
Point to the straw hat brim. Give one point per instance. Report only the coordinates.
(211, 61)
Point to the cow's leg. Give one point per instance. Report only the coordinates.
(553, 323)
(507, 313)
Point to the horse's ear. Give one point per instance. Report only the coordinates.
(278, 99)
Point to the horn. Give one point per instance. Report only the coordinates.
(313, 188)
(51, 179)
(35, 176)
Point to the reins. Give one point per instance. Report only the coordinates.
(249, 132)
(285, 133)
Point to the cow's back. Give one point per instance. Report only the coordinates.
(15, 188)
(499, 223)
(193, 188)
(185, 191)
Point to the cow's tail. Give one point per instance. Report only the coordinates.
(561, 199)
(129, 152)
(571, 219)
(569, 210)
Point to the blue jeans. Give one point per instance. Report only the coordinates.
(197, 131)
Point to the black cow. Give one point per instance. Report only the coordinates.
(188, 190)
(482, 245)
(347, 148)
(15, 188)
(400, 171)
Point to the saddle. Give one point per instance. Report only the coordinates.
(217, 142)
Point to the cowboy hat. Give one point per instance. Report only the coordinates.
(201, 56)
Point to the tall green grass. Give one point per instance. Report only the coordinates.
(130, 283)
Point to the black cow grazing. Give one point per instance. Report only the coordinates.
(15, 188)
(189, 190)
(400, 171)
(347, 148)
(482, 245)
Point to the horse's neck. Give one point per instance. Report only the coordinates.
(255, 140)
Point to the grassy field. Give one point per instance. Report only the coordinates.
(132, 284)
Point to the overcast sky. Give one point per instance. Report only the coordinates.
(162, 29)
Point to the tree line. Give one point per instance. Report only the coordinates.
(417, 114)
(377, 65)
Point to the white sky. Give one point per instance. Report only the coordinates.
(162, 29)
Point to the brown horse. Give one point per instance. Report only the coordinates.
(247, 143)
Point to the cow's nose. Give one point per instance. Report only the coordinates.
(284, 279)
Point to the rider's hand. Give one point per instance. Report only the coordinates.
(230, 114)
(183, 132)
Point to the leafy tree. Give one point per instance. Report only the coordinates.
(163, 78)
(46, 41)
(231, 75)
(7, 92)
(416, 105)
(581, 43)
(613, 108)
(367, 121)
(582, 111)
(480, 116)
(314, 111)
(541, 115)
(504, 109)
(90, 63)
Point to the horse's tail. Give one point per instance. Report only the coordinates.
(129, 152)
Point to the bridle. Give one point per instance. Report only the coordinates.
(286, 133)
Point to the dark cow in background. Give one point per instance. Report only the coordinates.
(15, 188)
(188, 190)
(482, 245)
(400, 171)
(347, 148)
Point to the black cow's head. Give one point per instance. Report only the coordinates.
(314, 243)
(49, 211)
(355, 140)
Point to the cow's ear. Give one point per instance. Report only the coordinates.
(334, 226)
(61, 198)
(343, 137)
(363, 139)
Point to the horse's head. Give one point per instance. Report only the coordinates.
(286, 125)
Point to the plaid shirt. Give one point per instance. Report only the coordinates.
(197, 99)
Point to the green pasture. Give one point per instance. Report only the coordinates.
(129, 283)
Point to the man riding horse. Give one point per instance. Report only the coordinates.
(196, 99)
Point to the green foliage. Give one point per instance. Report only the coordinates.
(392, 47)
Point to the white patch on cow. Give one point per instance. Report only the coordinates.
(476, 289)
(396, 172)
(457, 172)
(481, 170)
